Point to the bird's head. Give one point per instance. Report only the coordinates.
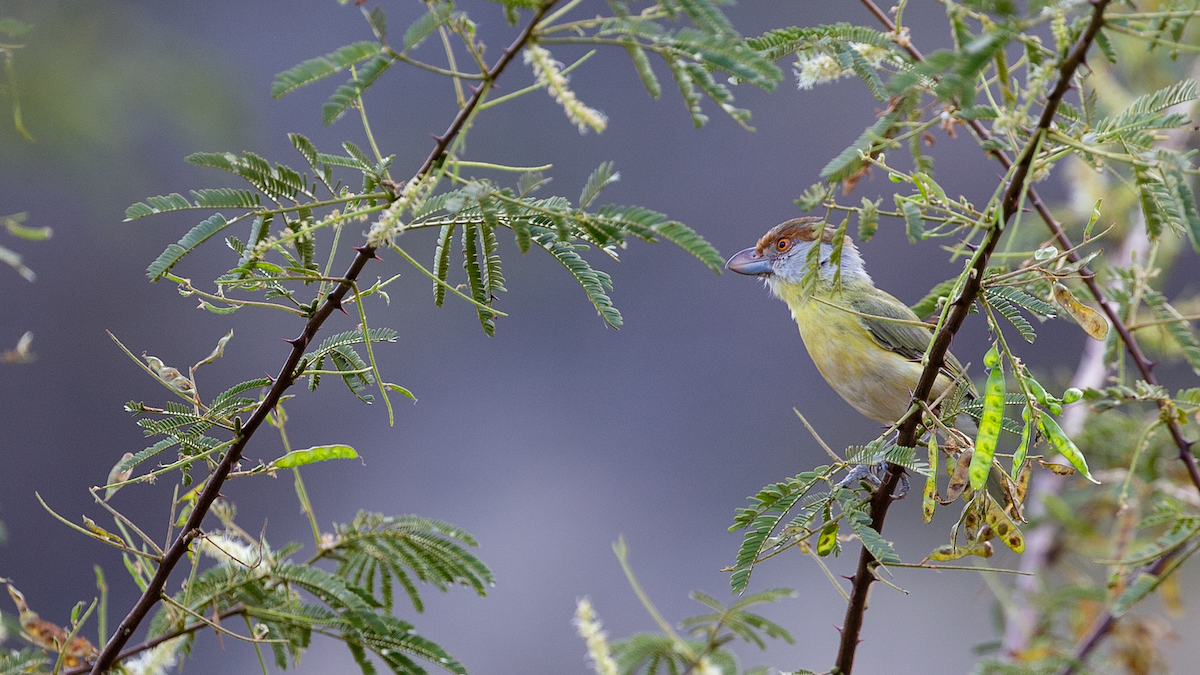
(781, 256)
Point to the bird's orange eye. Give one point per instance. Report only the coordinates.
(782, 244)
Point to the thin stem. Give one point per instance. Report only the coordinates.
(165, 637)
(889, 319)
(214, 625)
(1158, 322)
(122, 519)
(499, 167)
(362, 113)
(940, 344)
(1089, 279)
(1117, 28)
(443, 284)
(285, 379)
(112, 540)
(622, 551)
(458, 88)
(534, 87)
(404, 58)
(192, 290)
(820, 441)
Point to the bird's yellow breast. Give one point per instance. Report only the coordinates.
(876, 381)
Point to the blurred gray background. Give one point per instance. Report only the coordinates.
(546, 442)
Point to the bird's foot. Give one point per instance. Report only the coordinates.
(871, 477)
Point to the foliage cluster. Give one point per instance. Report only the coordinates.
(1005, 81)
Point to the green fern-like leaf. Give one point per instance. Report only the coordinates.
(849, 161)
(1177, 326)
(1009, 311)
(160, 204)
(346, 94)
(687, 87)
(441, 262)
(686, 238)
(1037, 306)
(407, 548)
(1145, 112)
(471, 264)
(861, 524)
(353, 337)
(778, 43)
(424, 26)
(848, 57)
(594, 282)
(152, 451)
(735, 58)
(13, 662)
(1160, 207)
(644, 70)
(707, 17)
(224, 198)
(355, 371)
(601, 178)
(321, 67)
(767, 509)
(197, 235)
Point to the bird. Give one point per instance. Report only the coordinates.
(866, 344)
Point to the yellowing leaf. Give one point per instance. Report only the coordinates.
(1088, 319)
(929, 496)
(958, 479)
(1004, 527)
(952, 552)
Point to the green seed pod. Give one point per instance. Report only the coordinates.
(1023, 448)
(989, 426)
(1071, 395)
(1065, 446)
(1038, 391)
(992, 358)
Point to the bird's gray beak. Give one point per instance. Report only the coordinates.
(750, 263)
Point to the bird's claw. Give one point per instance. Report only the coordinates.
(871, 477)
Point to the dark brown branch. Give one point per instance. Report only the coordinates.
(1143, 364)
(882, 499)
(154, 642)
(1104, 624)
(287, 376)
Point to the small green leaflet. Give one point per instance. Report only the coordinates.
(317, 453)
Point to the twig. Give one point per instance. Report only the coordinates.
(166, 637)
(1018, 630)
(882, 498)
(286, 377)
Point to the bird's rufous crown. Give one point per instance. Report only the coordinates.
(796, 229)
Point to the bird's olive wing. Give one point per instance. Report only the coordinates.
(904, 339)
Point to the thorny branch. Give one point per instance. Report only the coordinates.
(165, 637)
(287, 376)
(1105, 622)
(882, 498)
(1144, 365)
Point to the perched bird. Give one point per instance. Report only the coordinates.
(866, 343)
